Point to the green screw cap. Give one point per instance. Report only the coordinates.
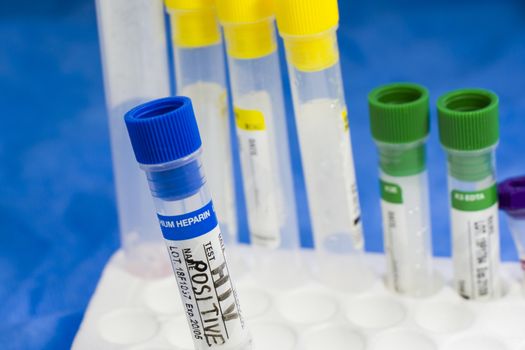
(399, 113)
(468, 119)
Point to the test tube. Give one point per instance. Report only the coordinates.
(468, 130)
(399, 121)
(260, 120)
(308, 28)
(167, 145)
(512, 201)
(135, 65)
(200, 75)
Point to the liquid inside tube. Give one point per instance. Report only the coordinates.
(407, 232)
(331, 189)
(328, 167)
(330, 180)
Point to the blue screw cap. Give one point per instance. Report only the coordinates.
(163, 130)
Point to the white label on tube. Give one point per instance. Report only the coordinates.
(475, 232)
(258, 177)
(351, 185)
(394, 228)
(196, 249)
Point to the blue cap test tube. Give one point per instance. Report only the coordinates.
(167, 145)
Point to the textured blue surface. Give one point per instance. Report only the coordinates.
(57, 210)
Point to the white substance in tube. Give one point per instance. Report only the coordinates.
(329, 175)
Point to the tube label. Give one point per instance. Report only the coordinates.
(196, 249)
(475, 230)
(351, 185)
(258, 177)
(394, 225)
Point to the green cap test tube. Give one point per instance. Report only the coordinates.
(468, 130)
(399, 121)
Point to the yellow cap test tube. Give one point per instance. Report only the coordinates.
(255, 76)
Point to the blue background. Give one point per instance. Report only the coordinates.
(57, 206)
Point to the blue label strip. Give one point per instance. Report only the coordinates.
(190, 225)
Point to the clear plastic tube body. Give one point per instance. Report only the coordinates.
(474, 223)
(406, 222)
(199, 262)
(264, 150)
(134, 60)
(516, 222)
(326, 154)
(200, 75)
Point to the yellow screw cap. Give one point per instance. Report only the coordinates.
(308, 27)
(189, 4)
(248, 27)
(193, 23)
(306, 17)
(244, 11)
